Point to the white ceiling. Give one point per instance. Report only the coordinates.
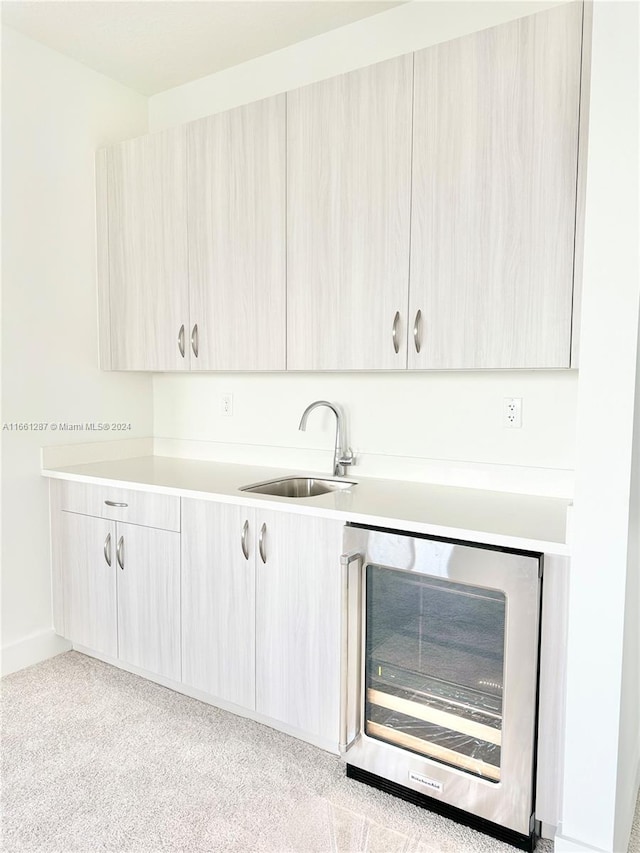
(152, 46)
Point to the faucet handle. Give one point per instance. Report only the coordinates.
(347, 457)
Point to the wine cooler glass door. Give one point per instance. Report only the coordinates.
(435, 668)
(440, 670)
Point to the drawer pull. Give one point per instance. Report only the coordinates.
(115, 503)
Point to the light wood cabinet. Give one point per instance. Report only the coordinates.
(237, 215)
(298, 610)
(349, 190)
(191, 249)
(261, 613)
(495, 150)
(419, 213)
(148, 581)
(117, 585)
(143, 185)
(218, 600)
(86, 552)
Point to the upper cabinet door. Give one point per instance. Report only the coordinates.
(494, 195)
(348, 187)
(237, 221)
(147, 253)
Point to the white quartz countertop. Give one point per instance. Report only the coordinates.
(505, 519)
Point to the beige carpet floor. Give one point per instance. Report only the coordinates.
(96, 759)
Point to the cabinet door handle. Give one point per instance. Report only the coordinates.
(261, 548)
(417, 329)
(194, 339)
(181, 340)
(107, 549)
(243, 541)
(120, 553)
(394, 332)
(351, 632)
(115, 503)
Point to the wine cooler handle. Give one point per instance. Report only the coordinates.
(351, 640)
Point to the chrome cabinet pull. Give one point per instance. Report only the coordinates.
(417, 328)
(115, 503)
(181, 340)
(394, 332)
(243, 541)
(261, 547)
(120, 553)
(194, 339)
(107, 549)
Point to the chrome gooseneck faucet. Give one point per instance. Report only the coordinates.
(343, 455)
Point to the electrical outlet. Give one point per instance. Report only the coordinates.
(227, 405)
(512, 412)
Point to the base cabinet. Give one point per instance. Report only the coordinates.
(218, 600)
(298, 622)
(148, 573)
(86, 550)
(117, 584)
(260, 612)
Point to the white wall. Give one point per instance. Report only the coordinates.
(445, 427)
(56, 112)
(395, 32)
(602, 730)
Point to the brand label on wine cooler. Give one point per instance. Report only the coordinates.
(424, 780)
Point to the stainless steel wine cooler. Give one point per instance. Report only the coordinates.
(439, 675)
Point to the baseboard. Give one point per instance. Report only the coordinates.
(207, 698)
(32, 649)
(570, 845)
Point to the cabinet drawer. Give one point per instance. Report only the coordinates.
(144, 508)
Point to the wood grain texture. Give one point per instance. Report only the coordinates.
(552, 690)
(348, 206)
(237, 237)
(298, 622)
(148, 509)
(494, 192)
(218, 601)
(148, 266)
(149, 599)
(89, 583)
(102, 261)
(583, 140)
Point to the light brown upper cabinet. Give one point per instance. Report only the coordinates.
(421, 213)
(191, 248)
(237, 218)
(495, 150)
(142, 253)
(348, 206)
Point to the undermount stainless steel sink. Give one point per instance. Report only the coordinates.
(299, 487)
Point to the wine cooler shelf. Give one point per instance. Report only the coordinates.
(445, 722)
